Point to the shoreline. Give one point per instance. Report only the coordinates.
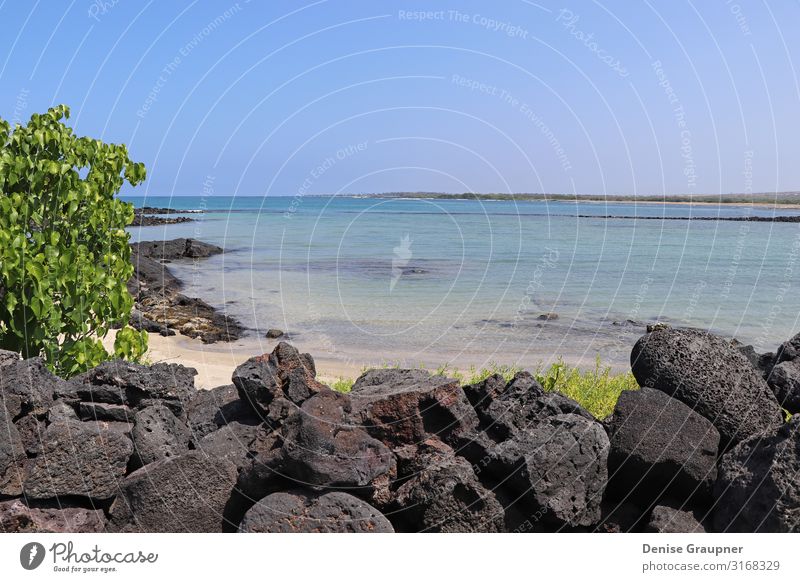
(775, 205)
(215, 355)
(510, 198)
(759, 201)
(216, 362)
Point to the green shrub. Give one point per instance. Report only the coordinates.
(64, 254)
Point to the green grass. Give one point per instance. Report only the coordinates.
(596, 390)
(343, 385)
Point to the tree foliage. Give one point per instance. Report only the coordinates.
(64, 254)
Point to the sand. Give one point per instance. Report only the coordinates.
(215, 362)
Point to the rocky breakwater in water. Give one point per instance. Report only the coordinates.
(149, 216)
(160, 307)
(703, 446)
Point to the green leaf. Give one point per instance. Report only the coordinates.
(11, 301)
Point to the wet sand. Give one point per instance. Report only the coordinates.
(216, 362)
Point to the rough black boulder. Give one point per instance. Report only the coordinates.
(188, 493)
(275, 384)
(711, 376)
(79, 459)
(758, 489)
(659, 447)
(441, 493)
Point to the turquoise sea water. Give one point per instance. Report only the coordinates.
(369, 280)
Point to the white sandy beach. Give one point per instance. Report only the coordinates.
(215, 362)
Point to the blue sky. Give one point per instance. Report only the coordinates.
(282, 98)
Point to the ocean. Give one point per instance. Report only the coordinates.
(373, 281)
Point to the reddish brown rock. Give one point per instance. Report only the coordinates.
(273, 384)
(306, 512)
(17, 517)
(402, 407)
(324, 447)
(12, 456)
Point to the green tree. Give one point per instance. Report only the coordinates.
(64, 254)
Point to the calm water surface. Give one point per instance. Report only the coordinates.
(373, 280)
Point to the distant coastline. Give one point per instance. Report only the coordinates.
(761, 199)
(755, 200)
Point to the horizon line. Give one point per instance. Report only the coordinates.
(418, 194)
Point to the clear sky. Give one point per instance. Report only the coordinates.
(281, 98)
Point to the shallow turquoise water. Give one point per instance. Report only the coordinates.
(399, 280)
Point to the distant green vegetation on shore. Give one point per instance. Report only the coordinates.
(597, 390)
(779, 198)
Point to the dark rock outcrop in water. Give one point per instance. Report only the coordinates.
(161, 307)
(173, 250)
(700, 218)
(146, 220)
(148, 216)
(550, 316)
(162, 210)
(132, 448)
